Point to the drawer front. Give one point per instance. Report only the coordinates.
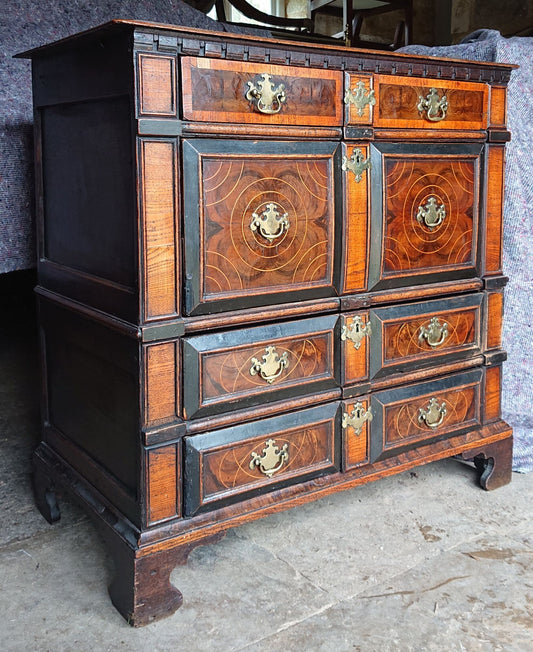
(246, 367)
(399, 339)
(410, 416)
(429, 103)
(263, 231)
(241, 92)
(425, 213)
(229, 465)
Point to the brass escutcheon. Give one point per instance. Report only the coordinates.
(357, 418)
(434, 333)
(431, 214)
(434, 106)
(271, 223)
(360, 98)
(356, 331)
(434, 414)
(266, 97)
(357, 163)
(272, 458)
(271, 366)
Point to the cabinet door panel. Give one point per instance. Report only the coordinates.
(425, 213)
(263, 231)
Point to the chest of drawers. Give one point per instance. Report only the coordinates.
(268, 271)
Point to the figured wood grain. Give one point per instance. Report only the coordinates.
(215, 91)
(492, 397)
(498, 106)
(226, 471)
(159, 177)
(398, 99)
(226, 374)
(161, 383)
(352, 112)
(410, 245)
(157, 85)
(237, 260)
(356, 209)
(355, 360)
(355, 445)
(493, 229)
(494, 320)
(401, 338)
(164, 482)
(401, 423)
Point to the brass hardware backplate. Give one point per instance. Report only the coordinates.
(266, 97)
(434, 106)
(271, 365)
(357, 418)
(356, 332)
(434, 333)
(271, 223)
(357, 163)
(431, 214)
(433, 415)
(272, 458)
(360, 98)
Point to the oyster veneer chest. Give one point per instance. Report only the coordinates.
(268, 271)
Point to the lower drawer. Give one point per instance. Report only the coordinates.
(419, 414)
(231, 464)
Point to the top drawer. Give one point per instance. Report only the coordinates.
(412, 103)
(233, 91)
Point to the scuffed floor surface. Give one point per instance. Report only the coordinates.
(424, 560)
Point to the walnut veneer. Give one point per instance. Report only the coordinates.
(268, 271)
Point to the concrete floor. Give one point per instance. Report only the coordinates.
(425, 560)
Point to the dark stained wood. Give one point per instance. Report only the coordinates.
(397, 103)
(163, 477)
(215, 91)
(494, 462)
(156, 78)
(44, 494)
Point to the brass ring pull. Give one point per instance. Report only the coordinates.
(272, 459)
(431, 214)
(434, 414)
(266, 97)
(357, 418)
(434, 106)
(271, 224)
(434, 333)
(271, 366)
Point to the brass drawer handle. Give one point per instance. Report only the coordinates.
(357, 163)
(271, 223)
(434, 414)
(357, 418)
(434, 333)
(272, 459)
(271, 366)
(431, 214)
(356, 332)
(359, 97)
(434, 106)
(266, 97)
